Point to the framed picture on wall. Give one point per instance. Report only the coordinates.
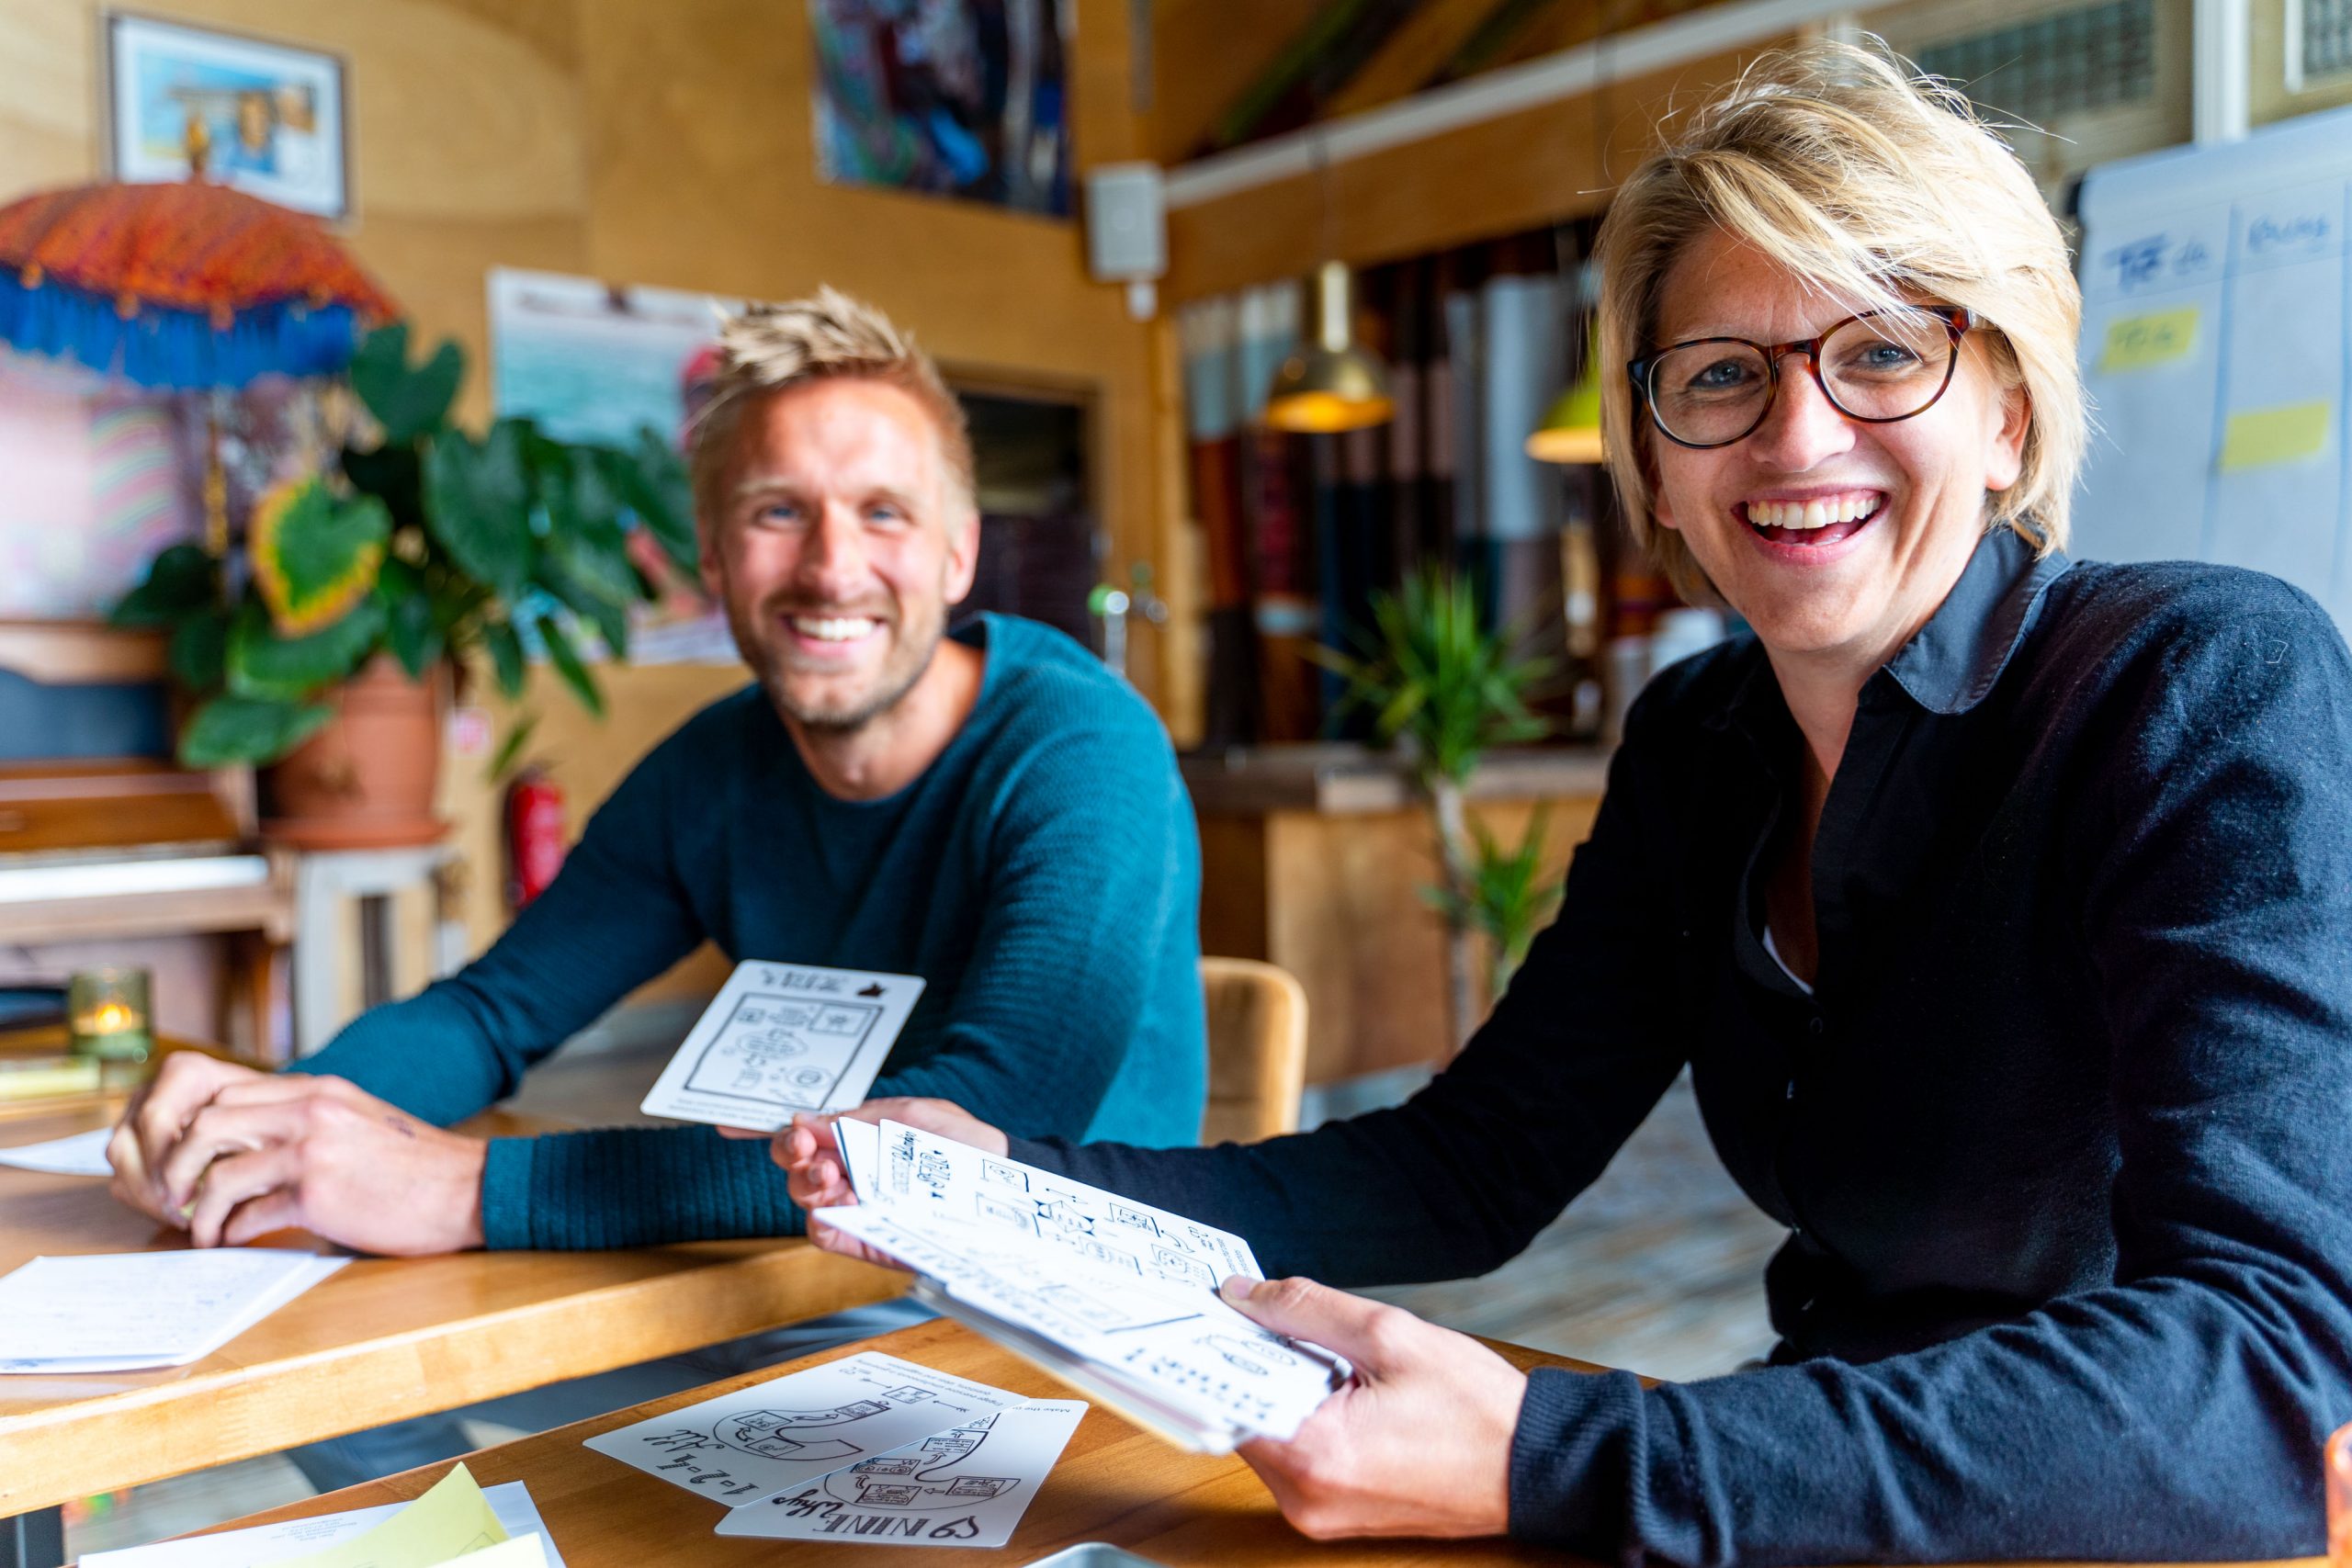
(266, 117)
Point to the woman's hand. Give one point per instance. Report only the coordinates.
(1419, 1441)
(812, 1160)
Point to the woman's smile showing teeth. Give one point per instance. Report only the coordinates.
(1811, 521)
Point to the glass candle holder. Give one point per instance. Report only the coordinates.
(106, 1013)
(2339, 1498)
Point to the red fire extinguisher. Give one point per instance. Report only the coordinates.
(534, 835)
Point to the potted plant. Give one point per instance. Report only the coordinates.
(324, 645)
(1435, 675)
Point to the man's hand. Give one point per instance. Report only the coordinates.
(1419, 1441)
(266, 1152)
(184, 1084)
(812, 1160)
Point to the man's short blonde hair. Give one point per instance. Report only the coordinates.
(1878, 186)
(768, 348)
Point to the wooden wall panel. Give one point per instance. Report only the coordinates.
(1517, 172)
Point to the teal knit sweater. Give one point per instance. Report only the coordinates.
(1043, 875)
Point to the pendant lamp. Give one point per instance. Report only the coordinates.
(1571, 429)
(1329, 383)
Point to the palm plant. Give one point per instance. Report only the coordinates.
(1434, 673)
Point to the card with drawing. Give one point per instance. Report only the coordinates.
(918, 1170)
(781, 1038)
(742, 1447)
(967, 1486)
(1168, 1356)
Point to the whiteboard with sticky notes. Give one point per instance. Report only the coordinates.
(2216, 297)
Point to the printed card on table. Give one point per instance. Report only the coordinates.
(744, 1446)
(966, 1486)
(781, 1038)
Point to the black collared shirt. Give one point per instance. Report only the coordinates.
(2063, 1136)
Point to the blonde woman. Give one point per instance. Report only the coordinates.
(2000, 906)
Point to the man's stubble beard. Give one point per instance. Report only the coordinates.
(919, 646)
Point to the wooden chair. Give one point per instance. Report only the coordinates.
(1257, 1015)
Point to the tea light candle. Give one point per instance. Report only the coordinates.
(106, 1013)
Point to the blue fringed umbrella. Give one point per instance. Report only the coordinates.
(187, 287)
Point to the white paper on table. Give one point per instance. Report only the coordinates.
(781, 1038)
(511, 1500)
(83, 1153)
(126, 1311)
(1173, 1358)
(920, 1170)
(743, 1447)
(964, 1487)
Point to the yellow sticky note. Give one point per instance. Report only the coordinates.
(452, 1520)
(2135, 343)
(2259, 438)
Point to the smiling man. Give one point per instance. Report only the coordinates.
(993, 811)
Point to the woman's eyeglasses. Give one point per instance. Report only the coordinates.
(1878, 367)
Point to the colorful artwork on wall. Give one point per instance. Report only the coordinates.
(266, 117)
(97, 484)
(955, 98)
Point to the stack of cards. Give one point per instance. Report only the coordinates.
(781, 1038)
(869, 1448)
(1113, 1296)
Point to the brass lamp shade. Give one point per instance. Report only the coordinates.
(1331, 384)
(1571, 429)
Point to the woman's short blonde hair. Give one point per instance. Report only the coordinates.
(769, 347)
(1841, 165)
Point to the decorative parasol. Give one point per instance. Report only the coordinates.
(189, 286)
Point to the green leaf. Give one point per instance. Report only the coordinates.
(408, 402)
(247, 730)
(477, 502)
(413, 628)
(510, 750)
(314, 557)
(586, 601)
(505, 655)
(651, 480)
(393, 475)
(184, 580)
(568, 664)
(200, 651)
(262, 664)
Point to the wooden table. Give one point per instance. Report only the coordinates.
(1113, 1483)
(382, 1340)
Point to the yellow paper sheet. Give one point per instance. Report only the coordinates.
(515, 1551)
(2258, 438)
(2136, 342)
(451, 1520)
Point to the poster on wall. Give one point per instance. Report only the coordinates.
(266, 117)
(954, 98)
(592, 361)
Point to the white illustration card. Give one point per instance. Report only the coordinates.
(1170, 1356)
(741, 1448)
(921, 1171)
(966, 1486)
(781, 1038)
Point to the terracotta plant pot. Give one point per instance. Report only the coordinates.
(367, 780)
